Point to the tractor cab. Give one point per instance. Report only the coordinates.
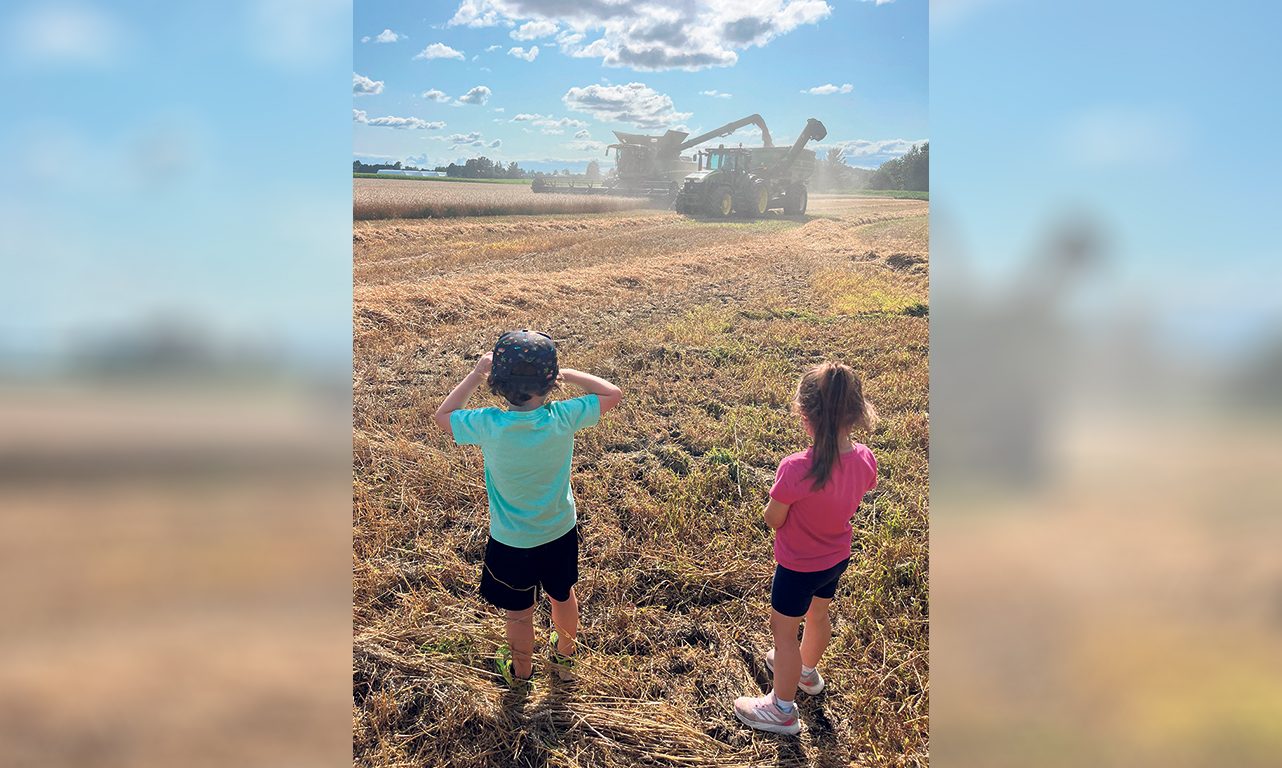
(725, 159)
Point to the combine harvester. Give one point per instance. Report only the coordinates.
(749, 181)
(647, 166)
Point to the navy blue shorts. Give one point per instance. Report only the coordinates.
(791, 592)
(511, 576)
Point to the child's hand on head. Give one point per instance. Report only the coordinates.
(485, 363)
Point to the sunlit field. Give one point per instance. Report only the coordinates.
(403, 199)
(706, 326)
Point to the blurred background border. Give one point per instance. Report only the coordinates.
(175, 384)
(1105, 364)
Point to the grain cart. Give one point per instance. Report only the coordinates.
(751, 180)
(647, 166)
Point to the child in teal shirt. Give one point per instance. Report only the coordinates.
(527, 449)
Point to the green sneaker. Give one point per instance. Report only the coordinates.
(503, 663)
(562, 665)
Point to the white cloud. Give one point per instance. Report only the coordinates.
(478, 96)
(533, 30)
(475, 13)
(386, 36)
(715, 94)
(435, 95)
(552, 126)
(566, 38)
(63, 34)
(690, 35)
(297, 34)
(865, 148)
(439, 51)
(1124, 138)
(521, 53)
(866, 153)
(583, 134)
(363, 86)
(463, 138)
(585, 146)
(359, 116)
(878, 2)
(471, 139)
(634, 103)
(500, 109)
(493, 48)
(828, 89)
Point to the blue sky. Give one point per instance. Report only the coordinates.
(179, 160)
(1153, 119)
(706, 64)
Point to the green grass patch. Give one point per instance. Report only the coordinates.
(867, 289)
(897, 194)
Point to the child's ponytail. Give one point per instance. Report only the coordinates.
(831, 398)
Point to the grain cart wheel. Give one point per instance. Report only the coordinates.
(721, 203)
(797, 200)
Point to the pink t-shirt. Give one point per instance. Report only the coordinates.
(816, 534)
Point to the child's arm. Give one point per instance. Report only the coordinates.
(609, 395)
(775, 514)
(457, 398)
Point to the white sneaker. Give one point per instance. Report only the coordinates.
(812, 683)
(764, 714)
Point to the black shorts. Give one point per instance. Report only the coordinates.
(791, 592)
(510, 576)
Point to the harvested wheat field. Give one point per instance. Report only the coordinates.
(706, 326)
(422, 199)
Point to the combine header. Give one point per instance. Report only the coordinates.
(647, 166)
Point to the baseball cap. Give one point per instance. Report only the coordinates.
(530, 352)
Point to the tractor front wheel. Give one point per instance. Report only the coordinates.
(721, 203)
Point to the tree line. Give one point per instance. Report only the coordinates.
(910, 172)
(476, 168)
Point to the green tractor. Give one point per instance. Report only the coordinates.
(749, 181)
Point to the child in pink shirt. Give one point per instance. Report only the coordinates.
(815, 495)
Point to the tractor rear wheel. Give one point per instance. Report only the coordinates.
(759, 199)
(721, 203)
(798, 198)
(752, 202)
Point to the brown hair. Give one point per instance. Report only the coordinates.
(831, 398)
(519, 392)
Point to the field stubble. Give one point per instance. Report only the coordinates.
(416, 199)
(706, 327)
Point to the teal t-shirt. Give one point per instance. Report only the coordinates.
(527, 465)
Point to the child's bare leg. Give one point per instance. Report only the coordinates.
(520, 638)
(787, 654)
(565, 617)
(818, 632)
